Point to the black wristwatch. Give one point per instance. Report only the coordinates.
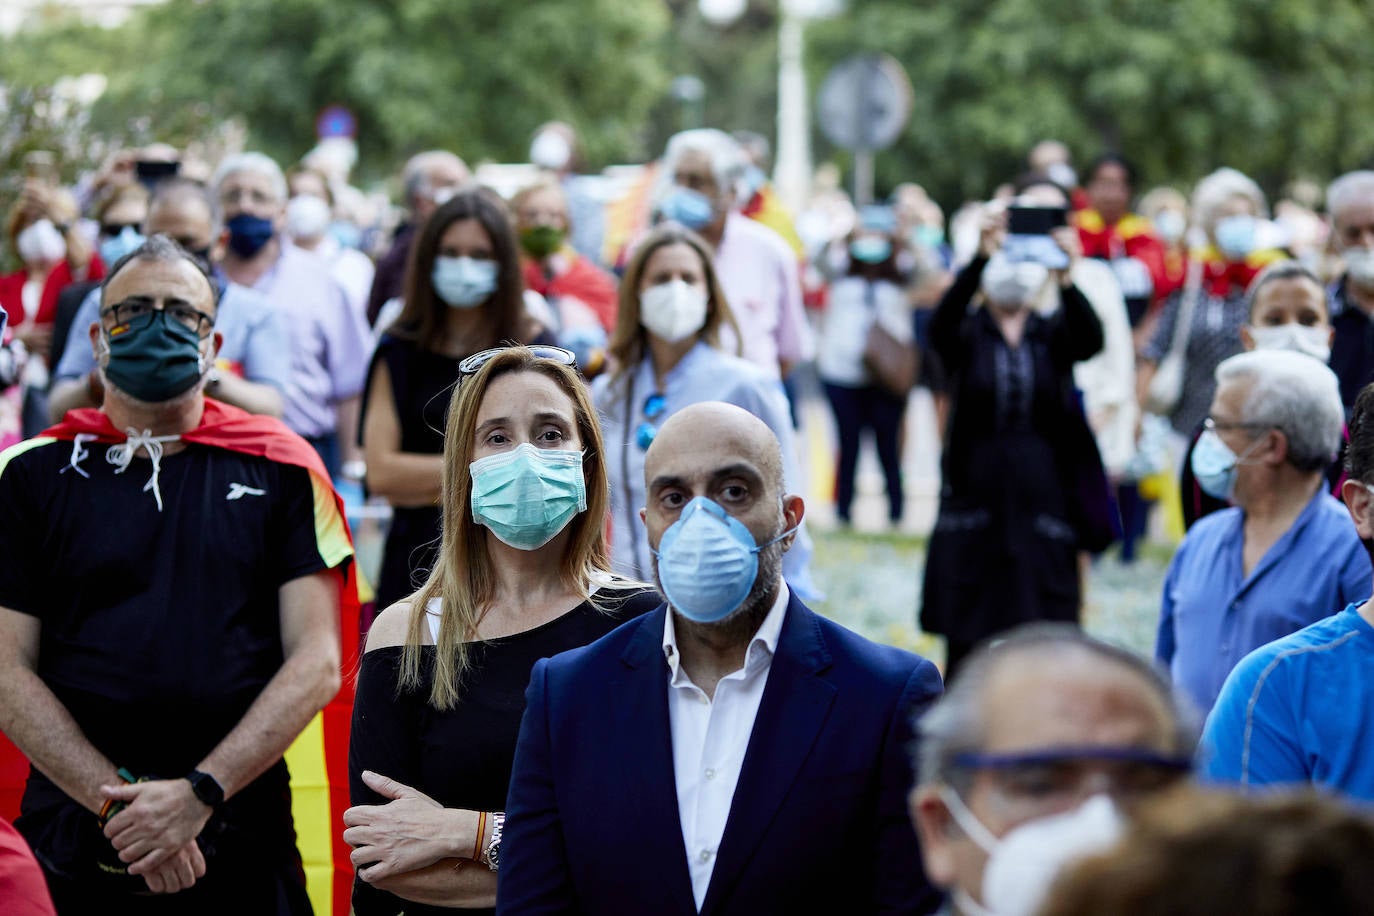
(206, 788)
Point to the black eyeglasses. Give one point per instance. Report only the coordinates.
(474, 363)
(136, 314)
(654, 407)
(111, 230)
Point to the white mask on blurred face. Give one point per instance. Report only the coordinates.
(673, 311)
(1359, 264)
(1300, 338)
(307, 217)
(1012, 286)
(1024, 862)
(40, 242)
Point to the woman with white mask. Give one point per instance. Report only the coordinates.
(1006, 540)
(521, 574)
(666, 354)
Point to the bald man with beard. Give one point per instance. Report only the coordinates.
(732, 751)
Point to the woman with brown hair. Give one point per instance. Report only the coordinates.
(666, 354)
(463, 294)
(522, 574)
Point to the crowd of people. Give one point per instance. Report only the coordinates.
(588, 677)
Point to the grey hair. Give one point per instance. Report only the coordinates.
(956, 723)
(1220, 186)
(1295, 394)
(1350, 188)
(174, 191)
(415, 178)
(162, 249)
(727, 156)
(254, 163)
(1281, 270)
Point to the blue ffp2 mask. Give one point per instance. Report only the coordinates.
(708, 561)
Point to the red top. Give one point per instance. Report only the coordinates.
(581, 280)
(22, 886)
(12, 290)
(1130, 237)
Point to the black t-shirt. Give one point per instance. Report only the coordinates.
(461, 758)
(159, 628)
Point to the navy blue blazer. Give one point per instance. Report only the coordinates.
(819, 818)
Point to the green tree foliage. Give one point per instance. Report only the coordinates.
(1277, 88)
(475, 76)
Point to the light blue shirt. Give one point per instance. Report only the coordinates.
(1213, 615)
(704, 374)
(330, 343)
(254, 338)
(1297, 711)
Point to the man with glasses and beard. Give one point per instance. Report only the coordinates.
(170, 603)
(731, 752)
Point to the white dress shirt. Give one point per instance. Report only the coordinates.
(710, 738)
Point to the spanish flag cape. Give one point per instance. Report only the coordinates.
(318, 759)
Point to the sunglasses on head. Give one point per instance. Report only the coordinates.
(474, 363)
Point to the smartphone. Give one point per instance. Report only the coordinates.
(1035, 220)
(41, 165)
(1028, 236)
(150, 172)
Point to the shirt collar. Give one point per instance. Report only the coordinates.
(761, 648)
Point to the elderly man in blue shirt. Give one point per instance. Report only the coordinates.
(1286, 554)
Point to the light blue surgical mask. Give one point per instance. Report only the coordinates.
(690, 208)
(527, 495)
(464, 283)
(117, 246)
(708, 561)
(1236, 236)
(1215, 466)
(870, 249)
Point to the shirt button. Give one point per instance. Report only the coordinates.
(1224, 647)
(710, 774)
(703, 699)
(705, 855)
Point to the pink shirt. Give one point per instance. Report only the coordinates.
(759, 275)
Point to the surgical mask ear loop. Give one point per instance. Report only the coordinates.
(967, 820)
(973, 828)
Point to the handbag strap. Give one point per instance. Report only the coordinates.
(1192, 291)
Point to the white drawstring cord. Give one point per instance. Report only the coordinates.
(121, 454)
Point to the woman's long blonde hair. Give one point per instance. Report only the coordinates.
(463, 578)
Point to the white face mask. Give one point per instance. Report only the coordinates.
(673, 311)
(1313, 341)
(1359, 264)
(1012, 285)
(40, 242)
(307, 217)
(1023, 864)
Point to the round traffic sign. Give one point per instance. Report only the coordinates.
(865, 102)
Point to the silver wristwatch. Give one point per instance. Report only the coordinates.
(491, 856)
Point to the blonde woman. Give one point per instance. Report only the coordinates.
(522, 574)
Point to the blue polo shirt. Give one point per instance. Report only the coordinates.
(1300, 710)
(1213, 615)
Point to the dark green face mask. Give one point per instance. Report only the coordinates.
(541, 241)
(154, 361)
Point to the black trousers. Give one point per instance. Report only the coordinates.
(872, 408)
